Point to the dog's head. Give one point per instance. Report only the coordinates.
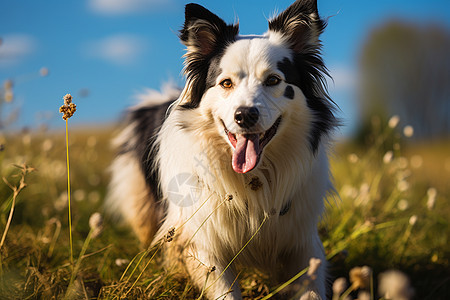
(251, 85)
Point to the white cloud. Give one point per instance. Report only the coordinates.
(121, 7)
(15, 48)
(121, 49)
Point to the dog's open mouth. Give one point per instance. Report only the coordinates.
(248, 147)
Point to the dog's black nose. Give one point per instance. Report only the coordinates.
(246, 117)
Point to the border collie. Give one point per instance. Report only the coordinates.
(232, 170)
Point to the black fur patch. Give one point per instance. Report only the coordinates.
(285, 208)
(298, 9)
(209, 35)
(301, 24)
(148, 121)
(214, 70)
(306, 72)
(289, 92)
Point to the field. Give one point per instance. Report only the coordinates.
(392, 214)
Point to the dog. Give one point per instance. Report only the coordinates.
(233, 169)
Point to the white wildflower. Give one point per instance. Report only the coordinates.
(403, 204)
(395, 285)
(412, 220)
(393, 121)
(387, 158)
(408, 131)
(339, 286)
(96, 224)
(431, 193)
(353, 158)
(120, 262)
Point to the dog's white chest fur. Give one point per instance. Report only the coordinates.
(234, 171)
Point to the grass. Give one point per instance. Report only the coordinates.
(392, 214)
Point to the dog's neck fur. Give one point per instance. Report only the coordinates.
(266, 191)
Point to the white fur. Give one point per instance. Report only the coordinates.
(288, 172)
(227, 210)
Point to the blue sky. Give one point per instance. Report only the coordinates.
(104, 52)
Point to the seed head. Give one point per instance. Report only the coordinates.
(43, 71)
(8, 84)
(96, 224)
(360, 277)
(170, 234)
(69, 108)
(9, 93)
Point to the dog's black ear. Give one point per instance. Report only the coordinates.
(205, 36)
(204, 32)
(300, 24)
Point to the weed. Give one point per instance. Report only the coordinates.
(68, 109)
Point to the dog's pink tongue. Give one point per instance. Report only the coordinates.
(245, 156)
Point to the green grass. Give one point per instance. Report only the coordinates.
(371, 224)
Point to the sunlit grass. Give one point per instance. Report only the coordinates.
(392, 214)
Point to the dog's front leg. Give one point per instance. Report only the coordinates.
(209, 276)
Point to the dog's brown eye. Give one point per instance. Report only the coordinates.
(272, 80)
(226, 84)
